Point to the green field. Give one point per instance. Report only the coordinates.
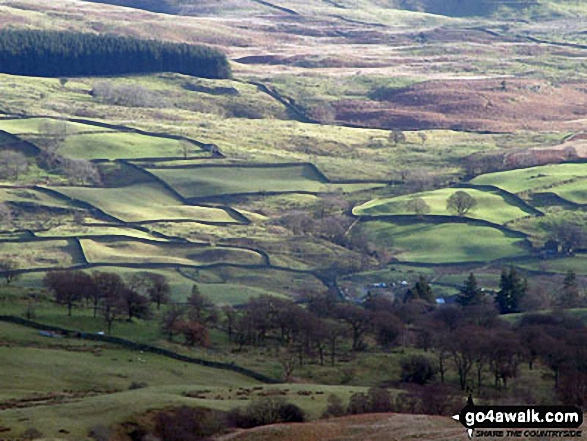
(83, 384)
(269, 279)
(41, 254)
(34, 126)
(490, 205)
(74, 230)
(144, 202)
(125, 145)
(138, 252)
(180, 286)
(577, 263)
(29, 196)
(84, 367)
(533, 178)
(199, 182)
(575, 192)
(443, 243)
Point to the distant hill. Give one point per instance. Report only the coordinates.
(464, 8)
(164, 6)
(450, 8)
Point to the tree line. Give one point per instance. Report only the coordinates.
(56, 53)
(464, 346)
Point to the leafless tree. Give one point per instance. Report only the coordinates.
(185, 147)
(129, 95)
(80, 172)
(418, 205)
(12, 164)
(397, 137)
(5, 215)
(51, 135)
(423, 137)
(9, 269)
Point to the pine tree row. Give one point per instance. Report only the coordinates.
(55, 54)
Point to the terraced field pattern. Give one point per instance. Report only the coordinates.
(294, 176)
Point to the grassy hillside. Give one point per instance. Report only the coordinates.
(143, 202)
(534, 178)
(430, 243)
(121, 251)
(464, 8)
(490, 206)
(409, 98)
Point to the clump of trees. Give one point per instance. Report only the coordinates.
(12, 164)
(62, 54)
(264, 411)
(107, 292)
(9, 269)
(52, 134)
(128, 95)
(5, 215)
(566, 234)
(512, 289)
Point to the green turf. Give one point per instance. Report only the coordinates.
(40, 366)
(143, 202)
(217, 181)
(123, 145)
(443, 243)
(533, 178)
(573, 191)
(263, 281)
(490, 205)
(214, 181)
(577, 263)
(139, 252)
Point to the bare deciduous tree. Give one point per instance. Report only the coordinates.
(418, 205)
(81, 171)
(5, 215)
(12, 164)
(9, 269)
(128, 95)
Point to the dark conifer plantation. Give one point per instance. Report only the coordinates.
(56, 54)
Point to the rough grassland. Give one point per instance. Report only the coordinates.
(54, 253)
(442, 243)
(490, 205)
(47, 368)
(375, 427)
(143, 202)
(32, 126)
(577, 263)
(533, 178)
